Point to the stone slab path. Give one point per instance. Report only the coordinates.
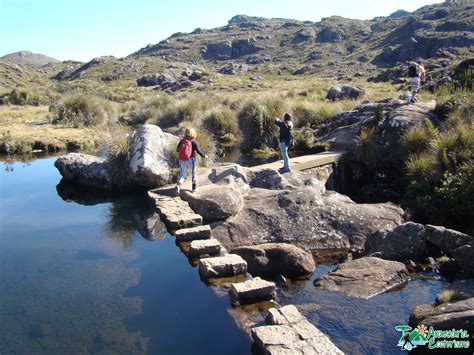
(175, 212)
(288, 331)
(304, 162)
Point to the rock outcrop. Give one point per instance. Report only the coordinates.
(457, 315)
(85, 169)
(445, 239)
(305, 215)
(365, 277)
(214, 203)
(343, 92)
(403, 243)
(274, 259)
(150, 156)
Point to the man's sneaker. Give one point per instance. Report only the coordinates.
(177, 189)
(194, 188)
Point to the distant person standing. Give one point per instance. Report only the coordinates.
(286, 139)
(187, 149)
(416, 71)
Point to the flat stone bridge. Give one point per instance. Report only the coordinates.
(305, 162)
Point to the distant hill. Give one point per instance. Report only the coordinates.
(335, 47)
(29, 59)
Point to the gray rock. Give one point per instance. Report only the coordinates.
(204, 247)
(464, 257)
(343, 92)
(445, 239)
(330, 34)
(222, 266)
(241, 47)
(293, 335)
(304, 35)
(213, 202)
(219, 50)
(193, 233)
(151, 156)
(305, 216)
(403, 243)
(251, 291)
(85, 170)
(275, 259)
(234, 69)
(365, 277)
(401, 120)
(458, 315)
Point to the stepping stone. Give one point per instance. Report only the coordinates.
(204, 247)
(290, 332)
(222, 266)
(194, 233)
(175, 212)
(251, 291)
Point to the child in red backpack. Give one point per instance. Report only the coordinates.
(187, 149)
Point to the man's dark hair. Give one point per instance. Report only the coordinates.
(287, 117)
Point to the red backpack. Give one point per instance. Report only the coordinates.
(185, 149)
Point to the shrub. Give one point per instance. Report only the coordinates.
(416, 140)
(149, 110)
(312, 115)
(83, 110)
(449, 201)
(454, 147)
(114, 141)
(183, 111)
(222, 123)
(366, 150)
(420, 166)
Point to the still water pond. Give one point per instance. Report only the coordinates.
(80, 278)
(78, 275)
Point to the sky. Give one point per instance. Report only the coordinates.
(85, 29)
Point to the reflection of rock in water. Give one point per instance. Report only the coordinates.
(125, 214)
(149, 225)
(70, 192)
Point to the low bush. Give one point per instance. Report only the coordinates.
(83, 110)
(367, 151)
(222, 123)
(308, 114)
(182, 111)
(256, 121)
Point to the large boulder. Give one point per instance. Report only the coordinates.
(343, 92)
(401, 120)
(274, 259)
(219, 50)
(305, 215)
(464, 257)
(457, 315)
(403, 243)
(365, 277)
(241, 47)
(305, 35)
(213, 202)
(84, 169)
(446, 239)
(330, 34)
(151, 156)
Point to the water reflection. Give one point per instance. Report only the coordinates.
(123, 216)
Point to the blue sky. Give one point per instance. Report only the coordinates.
(84, 29)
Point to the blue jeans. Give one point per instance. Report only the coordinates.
(284, 153)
